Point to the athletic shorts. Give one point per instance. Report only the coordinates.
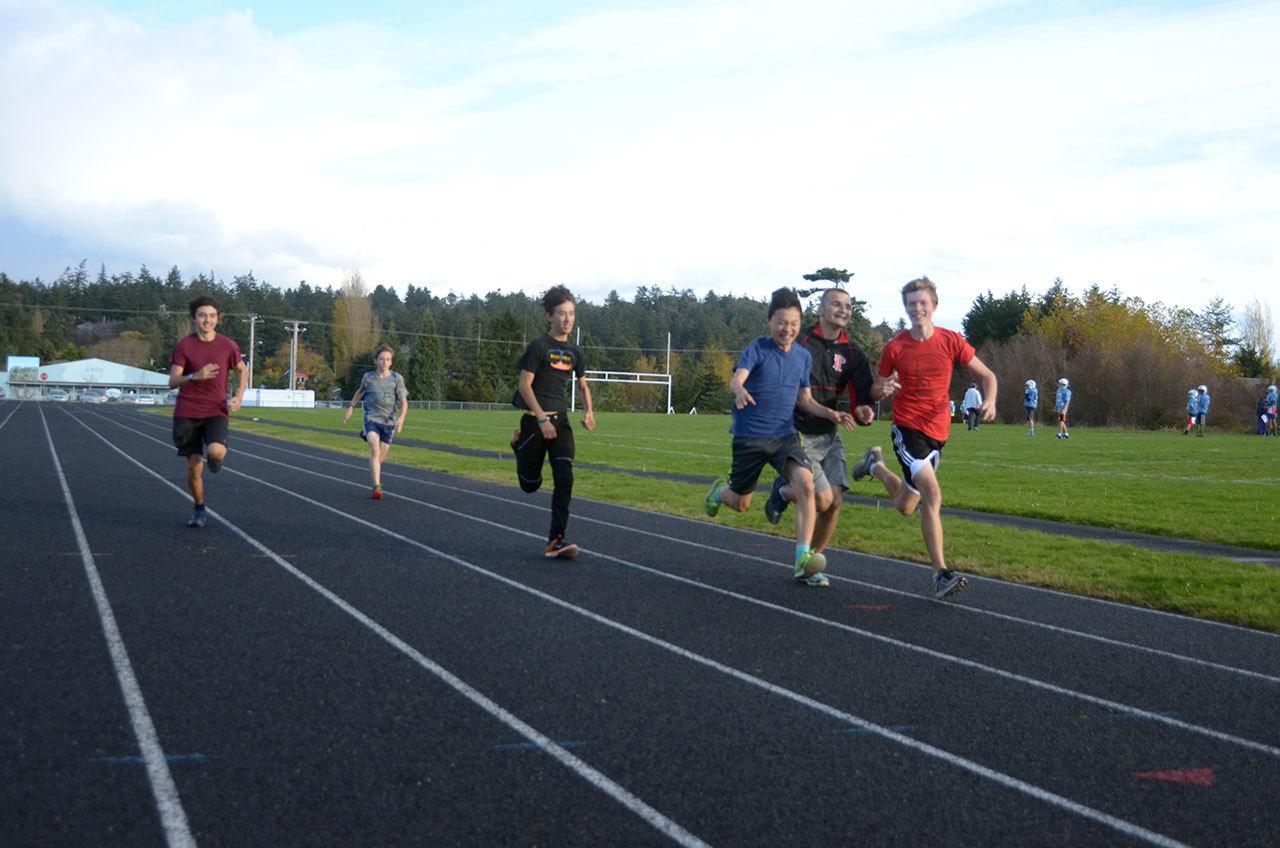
(751, 455)
(190, 435)
(826, 460)
(1031, 413)
(913, 450)
(1199, 419)
(385, 431)
(1062, 416)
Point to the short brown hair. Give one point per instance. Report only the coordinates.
(382, 349)
(921, 284)
(555, 296)
(203, 300)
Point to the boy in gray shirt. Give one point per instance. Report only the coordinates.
(381, 390)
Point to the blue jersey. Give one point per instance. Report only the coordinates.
(1031, 398)
(1063, 398)
(775, 381)
(1202, 407)
(1193, 403)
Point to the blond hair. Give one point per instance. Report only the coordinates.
(921, 284)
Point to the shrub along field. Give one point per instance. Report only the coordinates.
(1220, 488)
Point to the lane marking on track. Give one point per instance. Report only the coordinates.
(173, 819)
(1122, 826)
(1116, 706)
(10, 415)
(598, 779)
(1093, 637)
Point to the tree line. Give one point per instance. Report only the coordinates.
(1130, 362)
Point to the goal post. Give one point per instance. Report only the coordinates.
(634, 377)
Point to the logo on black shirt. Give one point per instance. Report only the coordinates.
(561, 360)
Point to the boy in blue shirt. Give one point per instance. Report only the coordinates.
(1193, 401)
(1061, 404)
(769, 382)
(1202, 410)
(1272, 398)
(1031, 402)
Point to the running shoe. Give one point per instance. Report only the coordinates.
(869, 460)
(947, 583)
(558, 547)
(377, 493)
(776, 504)
(819, 580)
(196, 519)
(712, 501)
(808, 564)
(215, 465)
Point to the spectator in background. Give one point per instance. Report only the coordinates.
(1062, 406)
(971, 404)
(1031, 402)
(1261, 416)
(1193, 403)
(1271, 410)
(1202, 409)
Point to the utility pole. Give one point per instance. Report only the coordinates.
(293, 358)
(252, 319)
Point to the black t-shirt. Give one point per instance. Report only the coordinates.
(839, 367)
(553, 365)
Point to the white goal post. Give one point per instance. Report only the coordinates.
(641, 377)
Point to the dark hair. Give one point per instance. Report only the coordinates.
(203, 300)
(784, 298)
(555, 296)
(382, 348)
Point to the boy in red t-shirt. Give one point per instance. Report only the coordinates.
(923, 359)
(198, 369)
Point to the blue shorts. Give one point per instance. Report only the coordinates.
(385, 431)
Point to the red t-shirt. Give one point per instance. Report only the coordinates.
(204, 398)
(924, 374)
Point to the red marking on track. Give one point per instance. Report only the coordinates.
(868, 606)
(1197, 776)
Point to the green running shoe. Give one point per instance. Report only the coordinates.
(712, 502)
(808, 564)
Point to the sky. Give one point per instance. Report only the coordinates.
(727, 145)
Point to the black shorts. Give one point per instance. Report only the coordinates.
(751, 455)
(913, 449)
(190, 435)
(1031, 413)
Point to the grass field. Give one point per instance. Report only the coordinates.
(1220, 488)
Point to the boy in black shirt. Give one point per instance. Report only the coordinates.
(548, 365)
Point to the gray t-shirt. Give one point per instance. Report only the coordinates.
(381, 396)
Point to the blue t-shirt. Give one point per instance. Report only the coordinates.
(775, 381)
(1193, 403)
(1064, 398)
(1031, 398)
(1203, 407)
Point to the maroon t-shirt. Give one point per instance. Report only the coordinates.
(204, 398)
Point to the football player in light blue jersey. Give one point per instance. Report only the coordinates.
(1061, 405)
(1031, 402)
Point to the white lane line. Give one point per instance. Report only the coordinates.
(173, 818)
(524, 503)
(10, 415)
(1122, 826)
(1024, 587)
(598, 779)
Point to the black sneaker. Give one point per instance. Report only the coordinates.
(196, 519)
(559, 548)
(776, 504)
(947, 583)
(215, 465)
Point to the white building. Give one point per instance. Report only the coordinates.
(25, 377)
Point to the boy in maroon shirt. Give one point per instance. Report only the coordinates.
(198, 368)
(923, 358)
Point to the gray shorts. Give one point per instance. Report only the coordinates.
(826, 460)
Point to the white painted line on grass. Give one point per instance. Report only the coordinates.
(599, 780)
(524, 503)
(173, 818)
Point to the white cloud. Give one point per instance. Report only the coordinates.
(701, 145)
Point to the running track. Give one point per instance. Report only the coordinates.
(314, 668)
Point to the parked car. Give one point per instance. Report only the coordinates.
(57, 394)
(145, 400)
(92, 396)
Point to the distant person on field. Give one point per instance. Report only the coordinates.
(840, 380)
(972, 403)
(1271, 410)
(770, 382)
(1193, 404)
(549, 364)
(1262, 416)
(1062, 406)
(382, 389)
(1202, 409)
(198, 369)
(922, 359)
(1031, 403)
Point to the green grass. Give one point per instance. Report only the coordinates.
(1190, 487)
